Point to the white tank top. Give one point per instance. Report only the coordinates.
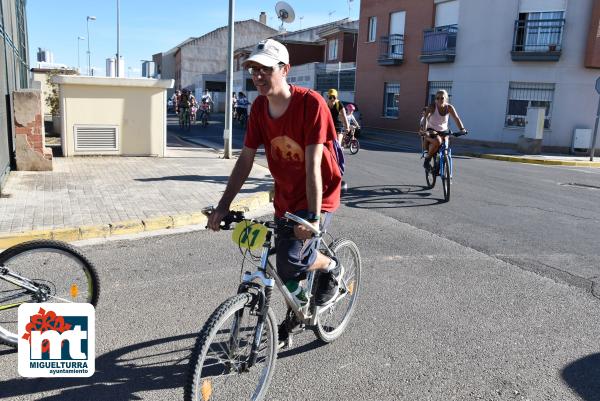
(437, 121)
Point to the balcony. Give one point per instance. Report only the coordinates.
(391, 50)
(439, 44)
(537, 40)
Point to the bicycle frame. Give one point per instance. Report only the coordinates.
(20, 281)
(445, 149)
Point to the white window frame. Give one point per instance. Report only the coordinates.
(332, 49)
(372, 31)
(391, 89)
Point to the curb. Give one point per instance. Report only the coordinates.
(70, 234)
(546, 162)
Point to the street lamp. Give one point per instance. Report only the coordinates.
(79, 39)
(89, 17)
(118, 39)
(229, 84)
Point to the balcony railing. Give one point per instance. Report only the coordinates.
(439, 44)
(537, 40)
(391, 50)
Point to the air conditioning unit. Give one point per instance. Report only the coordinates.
(581, 140)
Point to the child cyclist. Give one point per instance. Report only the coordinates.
(352, 122)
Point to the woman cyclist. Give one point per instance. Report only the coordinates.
(436, 124)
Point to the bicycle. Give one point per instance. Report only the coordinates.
(204, 114)
(243, 117)
(184, 118)
(42, 271)
(349, 141)
(442, 162)
(240, 339)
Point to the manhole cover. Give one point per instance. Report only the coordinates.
(574, 184)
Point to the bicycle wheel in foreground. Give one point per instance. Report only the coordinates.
(332, 323)
(218, 368)
(446, 178)
(58, 271)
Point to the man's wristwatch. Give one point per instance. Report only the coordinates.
(313, 217)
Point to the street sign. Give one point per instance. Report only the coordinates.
(598, 85)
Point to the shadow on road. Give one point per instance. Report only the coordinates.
(390, 196)
(583, 376)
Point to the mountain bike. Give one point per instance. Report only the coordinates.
(42, 271)
(350, 142)
(234, 355)
(442, 162)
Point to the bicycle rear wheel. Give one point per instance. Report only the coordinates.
(446, 178)
(60, 272)
(332, 323)
(218, 364)
(354, 146)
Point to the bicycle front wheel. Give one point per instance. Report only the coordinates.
(446, 178)
(354, 146)
(218, 368)
(332, 322)
(431, 175)
(58, 271)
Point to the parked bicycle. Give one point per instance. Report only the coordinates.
(442, 162)
(42, 271)
(234, 355)
(349, 141)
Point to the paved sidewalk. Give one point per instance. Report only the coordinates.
(461, 146)
(91, 197)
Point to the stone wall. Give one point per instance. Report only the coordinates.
(31, 154)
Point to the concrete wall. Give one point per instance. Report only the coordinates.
(483, 69)
(136, 106)
(208, 54)
(411, 74)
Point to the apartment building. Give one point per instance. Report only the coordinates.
(14, 73)
(497, 59)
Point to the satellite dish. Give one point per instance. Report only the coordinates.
(285, 13)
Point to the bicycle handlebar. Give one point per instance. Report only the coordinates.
(238, 216)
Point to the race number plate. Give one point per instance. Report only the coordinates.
(249, 235)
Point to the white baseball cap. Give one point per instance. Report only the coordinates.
(269, 53)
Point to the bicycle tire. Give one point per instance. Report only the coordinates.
(446, 178)
(431, 175)
(352, 271)
(36, 257)
(354, 146)
(197, 383)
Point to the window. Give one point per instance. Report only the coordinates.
(539, 31)
(522, 95)
(332, 51)
(435, 86)
(372, 33)
(391, 94)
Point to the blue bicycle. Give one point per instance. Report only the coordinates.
(442, 162)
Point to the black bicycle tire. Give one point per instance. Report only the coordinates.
(354, 150)
(203, 341)
(446, 178)
(86, 264)
(431, 175)
(328, 337)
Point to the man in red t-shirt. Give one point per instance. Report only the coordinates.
(295, 127)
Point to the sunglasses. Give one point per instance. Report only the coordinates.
(439, 98)
(331, 97)
(260, 70)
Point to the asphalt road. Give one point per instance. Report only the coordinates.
(453, 306)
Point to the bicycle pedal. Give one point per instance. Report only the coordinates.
(285, 344)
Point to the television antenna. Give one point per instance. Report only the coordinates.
(285, 13)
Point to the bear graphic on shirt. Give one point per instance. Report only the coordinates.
(284, 148)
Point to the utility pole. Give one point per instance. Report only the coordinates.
(229, 86)
(118, 59)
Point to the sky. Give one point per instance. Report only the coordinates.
(151, 26)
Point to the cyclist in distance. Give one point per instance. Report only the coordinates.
(297, 132)
(436, 122)
(242, 106)
(352, 122)
(206, 98)
(338, 113)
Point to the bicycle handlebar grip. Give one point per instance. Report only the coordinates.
(302, 222)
